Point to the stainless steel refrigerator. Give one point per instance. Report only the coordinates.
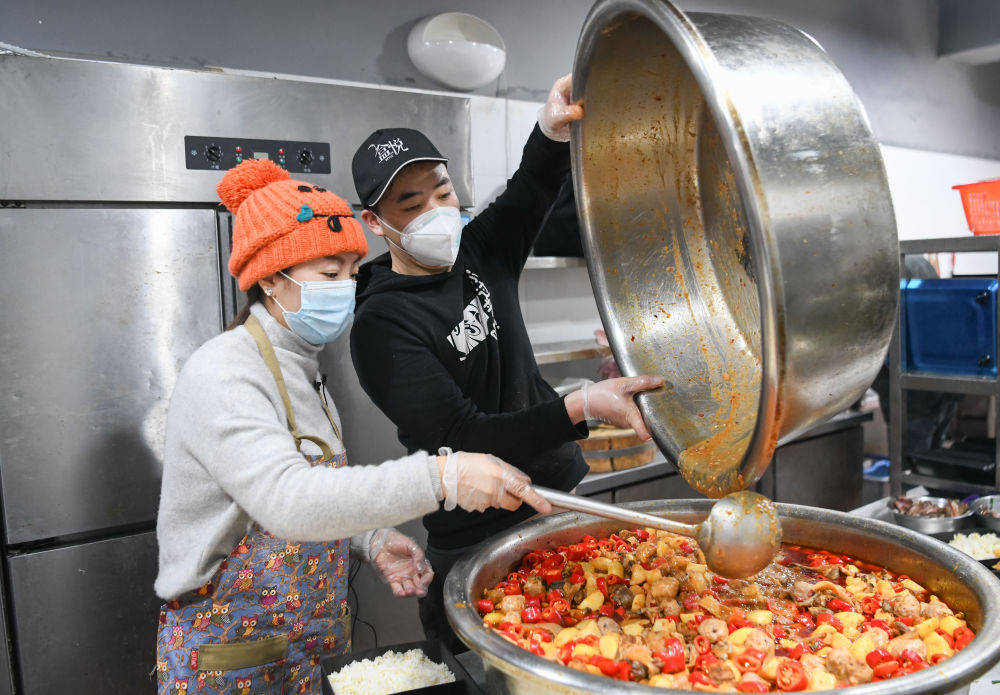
(113, 260)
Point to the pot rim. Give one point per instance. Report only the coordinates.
(973, 661)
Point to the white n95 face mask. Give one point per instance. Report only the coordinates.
(431, 238)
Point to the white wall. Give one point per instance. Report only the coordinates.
(927, 207)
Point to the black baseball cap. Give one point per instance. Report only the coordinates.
(383, 154)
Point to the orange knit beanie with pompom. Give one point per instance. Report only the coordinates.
(281, 222)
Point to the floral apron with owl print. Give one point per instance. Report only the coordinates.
(272, 611)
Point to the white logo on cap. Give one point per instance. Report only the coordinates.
(388, 150)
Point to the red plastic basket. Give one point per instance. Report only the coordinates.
(982, 205)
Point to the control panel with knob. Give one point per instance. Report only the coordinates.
(217, 153)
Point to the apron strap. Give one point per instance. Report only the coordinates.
(271, 360)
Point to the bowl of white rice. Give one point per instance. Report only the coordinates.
(419, 667)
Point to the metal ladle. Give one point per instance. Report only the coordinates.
(740, 537)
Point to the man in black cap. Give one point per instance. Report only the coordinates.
(439, 342)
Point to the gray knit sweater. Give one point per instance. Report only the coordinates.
(230, 460)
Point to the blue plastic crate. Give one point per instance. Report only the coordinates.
(951, 326)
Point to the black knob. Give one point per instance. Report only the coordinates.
(213, 153)
(985, 361)
(982, 297)
(305, 157)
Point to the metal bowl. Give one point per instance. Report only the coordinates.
(739, 230)
(988, 503)
(932, 524)
(953, 576)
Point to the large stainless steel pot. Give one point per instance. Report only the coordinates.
(739, 230)
(955, 577)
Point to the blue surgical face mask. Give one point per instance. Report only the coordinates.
(327, 309)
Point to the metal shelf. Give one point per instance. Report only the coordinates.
(911, 478)
(551, 262)
(901, 381)
(568, 351)
(972, 385)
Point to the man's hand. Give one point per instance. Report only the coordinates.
(558, 112)
(611, 401)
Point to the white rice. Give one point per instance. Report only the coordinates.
(981, 546)
(389, 673)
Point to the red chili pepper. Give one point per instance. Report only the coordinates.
(963, 636)
(701, 644)
(716, 579)
(577, 576)
(911, 656)
(878, 656)
(832, 619)
(870, 604)
(897, 586)
(484, 606)
(642, 534)
(790, 676)
(560, 605)
(946, 637)
(690, 601)
(701, 678)
(512, 589)
(566, 653)
(536, 648)
(620, 611)
(906, 621)
(531, 560)
(703, 661)
(608, 667)
(550, 575)
(804, 619)
(540, 635)
(531, 615)
(750, 660)
(886, 669)
(938, 658)
(606, 610)
(686, 547)
(779, 632)
(839, 605)
(533, 602)
(575, 553)
(672, 656)
(553, 561)
(602, 586)
(752, 687)
(796, 652)
(551, 615)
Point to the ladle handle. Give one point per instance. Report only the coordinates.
(609, 511)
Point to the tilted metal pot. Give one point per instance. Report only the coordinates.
(739, 230)
(953, 576)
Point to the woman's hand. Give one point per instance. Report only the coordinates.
(611, 401)
(400, 562)
(476, 482)
(558, 112)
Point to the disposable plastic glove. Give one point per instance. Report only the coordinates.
(612, 401)
(557, 113)
(400, 563)
(476, 482)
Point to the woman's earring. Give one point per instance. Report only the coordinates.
(268, 291)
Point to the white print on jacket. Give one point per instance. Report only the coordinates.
(477, 320)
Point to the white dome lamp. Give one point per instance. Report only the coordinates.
(457, 49)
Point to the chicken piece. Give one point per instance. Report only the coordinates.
(670, 607)
(512, 604)
(906, 606)
(664, 588)
(572, 591)
(751, 682)
(846, 669)
(908, 641)
(607, 625)
(645, 552)
(811, 662)
(935, 609)
(759, 640)
(722, 671)
(714, 629)
(622, 596)
(801, 590)
(495, 595)
(513, 617)
(533, 586)
(640, 671)
(637, 652)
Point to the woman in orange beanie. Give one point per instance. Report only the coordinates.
(258, 511)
